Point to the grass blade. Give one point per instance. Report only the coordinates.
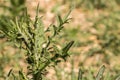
(80, 74)
(100, 73)
(118, 78)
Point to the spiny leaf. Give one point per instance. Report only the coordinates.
(65, 50)
(55, 30)
(67, 47)
(60, 20)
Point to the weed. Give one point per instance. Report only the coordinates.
(41, 49)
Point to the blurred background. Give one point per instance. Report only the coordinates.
(95, 28)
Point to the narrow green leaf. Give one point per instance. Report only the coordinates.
(55, 30)
(100, 73)
(36, 18)
(72, 70)
(80, 74)
(67, 47)
(22, 76)
(9, 73)
(14, 77)
(118, 78)
(60, 20)
(67, 15)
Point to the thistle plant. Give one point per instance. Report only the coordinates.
(39, 44)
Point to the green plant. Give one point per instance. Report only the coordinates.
(39, 44)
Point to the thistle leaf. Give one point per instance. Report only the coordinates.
(67, 47)
(60, 20)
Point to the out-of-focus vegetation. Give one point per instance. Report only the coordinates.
(10, 56)
(96, 39)
(93, 4)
